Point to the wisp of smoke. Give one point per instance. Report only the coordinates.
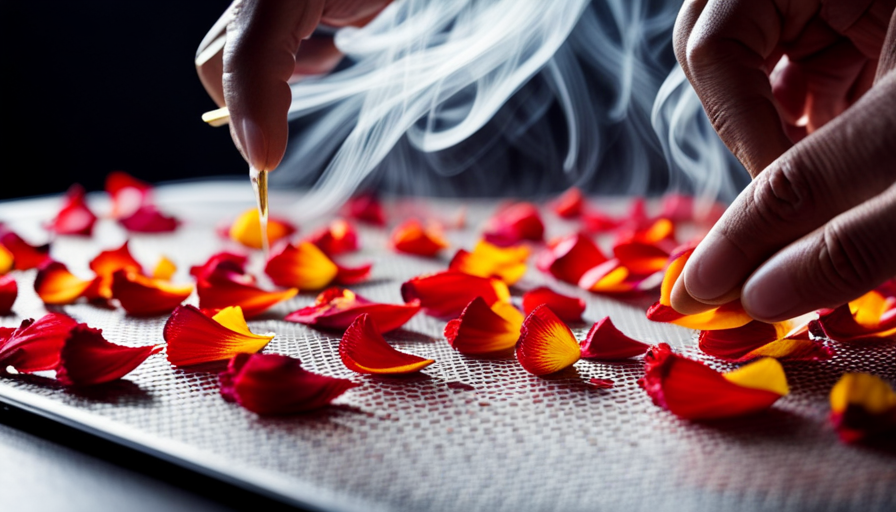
(504, 97)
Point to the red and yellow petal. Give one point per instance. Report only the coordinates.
(9, 290)
(862, 406)
(481, 329)
(412, 238)
(144, 296)
(568, 309)
(74, 218)
(35, 345)
(222, 262)
(337, 308)
(640, 257)
(514, 224)
(6, 260)
(164, 269)
(870, 316)
(606, 342)
(110, 261)
(783, 340)
(148, 219)
(546, 344)
(487, 260)
(88, 359)
(610, 277)
(569, 205)
(194, 338)
(128, 193)
(24, 255)
(55, 285)
(366, 208)
(571, 257)
(364, 350)
(246, 229)
(302, 266)
(446, 294)
(217, 294)
(338, 237)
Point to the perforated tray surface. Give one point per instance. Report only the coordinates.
(467, 433)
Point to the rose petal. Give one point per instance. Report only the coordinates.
(25, 256)
(303, 266)
(364, 350)
(862, 406)
(640, 257)
(128, 193)
(164, 269)
(144, 296)
(352, 275)
(219, 292)
(660, 232)
(272, 384)
(597, 222)
(481, 329)
(601, 383)
(446, 294)
(337, 308)
(610, 277)
(9, 290)
(338, 237)
(410, 237)
(569, 205)
(514, 224)
(367, 208)
(681, 208)
(36, 344)
(869, 316)
(568, 309)
(194, 338)
(74, 218)
(110, 261)
(487, 260)
(546, 344)
(246, 229)
(691, 390)
(222, 262)
(570, 258)
(148, 219)
(759, 339)
(605, 342)
(55, 285)
(6, 260)
(88, 359)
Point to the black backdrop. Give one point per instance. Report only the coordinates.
(101, 85)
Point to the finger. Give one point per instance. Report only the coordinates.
(209, 61)
(317, 56)
(846, 258)
(789, 86)
(259, 59)
(831, 75)
(684, 25)
(800, 192)
(888, 51)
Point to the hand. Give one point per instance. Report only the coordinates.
(817, 227)
(256, 49)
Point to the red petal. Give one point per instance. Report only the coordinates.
(337, 308)
(144, 296)
(9, 290)
(74, 218)
(55, 285)
(410, 237)
(610, 277)
(302, 266)
(680, 208)
(840, 325)
(220, 262)
(601, 383)
(515, 223)
(88, 359)
(569, 205)
(35, 345)
(759, 339)
(367, 208)
(25, 256)
(108, 262)
(569, 259)
(352, 275)
(546, 344)
(597, 222)
(194, 338)
(148, 219)
(605, 342)
(446, 294)
(338, 237)
(640, 257)
(569, 309)
(128, 193)
(218, 293)
(364, 350)
(480, 330)
(272, 384)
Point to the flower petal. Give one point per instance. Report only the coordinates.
(246, 229)
(546, 344)
(870, 316)
(272, 384)
(691, 390)
(483, 330)
(514, 224)
(568, 309)
(6, 260)
(36, 344)
(194, 338)
(55, 285)
(88, 359)
(759, 339)
(144, 296)
(367, 208)
(74, 218)
(222, 262)
(487, 260)
(219, 293)
(9, 290)
(569, 205)
(606, 342)
(302, 266)
(25, 256)
(364, 350)
(446, 294)
(610, 277)
(352, 275)
(148, 219)
(571, 257)
(862, 406)
(597, 222)
(337, 308)
(164, 269)
(338, 237)
(410, 237)
(640, 257)
(110, 261)
(601, 383)
(680, 208)
(128, 193)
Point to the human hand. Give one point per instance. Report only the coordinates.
(254, 51)
(817, 227)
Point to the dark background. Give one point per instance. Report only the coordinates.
(92, 87)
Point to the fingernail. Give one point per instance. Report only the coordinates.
(770, 295)
(715, 268)
(252, 140)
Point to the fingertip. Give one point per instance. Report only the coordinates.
(770, 294)
(683, 303)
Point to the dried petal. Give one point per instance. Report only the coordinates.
(246, 229)
(55, 285)
(546, 344)
(569, 205)
(446, 294)
(870, 316)
(640, 257)
(110, 261)
(571, 257)
(25, 256)
(364, 350)
(272, 384)
(487, 260)
(610, 277)
(144, 296)
(367, 208)
(597, 222)
(35, 345)
(338, 237)
(352, 275)
(6, 260)
(605, 342)
(194, 338)
(756, 339)
(481, 329)
(514, 224)
(337, 308)
(88, 359)
(568, 309)
(410, 237)
(164, 269)
(128, 193)
(74, 218)
(9, 290)
(220, 263)
(691, 390)
(862, 406)
(148, 219)
(222, 289)
(601, 383)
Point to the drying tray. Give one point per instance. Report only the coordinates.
(467, 433)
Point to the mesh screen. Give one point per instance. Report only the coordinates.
(467, 433)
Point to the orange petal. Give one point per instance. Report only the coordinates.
(128, 193)
(568, 309)
(487, 260)
(610, 277)
(165, 269)
(691, 390)
(144, 296)
(546, 344)
(24, 255)
(302, 266)
(446, 294)
(514, 224)
(246, 229)
(483, 330)
(569, 259)
(640, 257)
(88, 359)
(569, 205)
(108, 262)
(9, 290)
(194, 338)
(870, 316)
(605, 342)
(55, 285)
(367, 208)
(337, 308)
(759, 339)
(6, 260)
(364, 350)
(219, 293)
(862, 406)
(336, 238)
(410, 237)
(74, 218)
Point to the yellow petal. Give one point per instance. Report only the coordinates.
(165, 268)
(868, 391)
(6, 260)
(232, 318)
(766, 374)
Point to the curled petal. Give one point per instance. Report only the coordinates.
(660, 232)
(352, 275)
(514, 224)
(128, 193)
(35, 345)
(194, 338)
(6, 260)
(74, 218)
(569, 205)
(597, 222)
(144, 296)
(862, 406)
(487, 260)
(610, 277)
(272, 384)
(640, 257)
(148, 219)
(222, 262)
(9, 290)
(88, 359)
(546, 344)
(446, 294)
(568, 309)
(164, 269)
(367, 208)
(410, 237)
(55, 285)
(25, 256)
(337, 308)
(110, 261)
(481, 329)
(364, 350)
(601, 383)
(338, 237)
(870, 316)
(606, 342)
(691, 390)
(571, 257)
(302, 266)
(759, 339)
(246, 229)
(220, 293)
